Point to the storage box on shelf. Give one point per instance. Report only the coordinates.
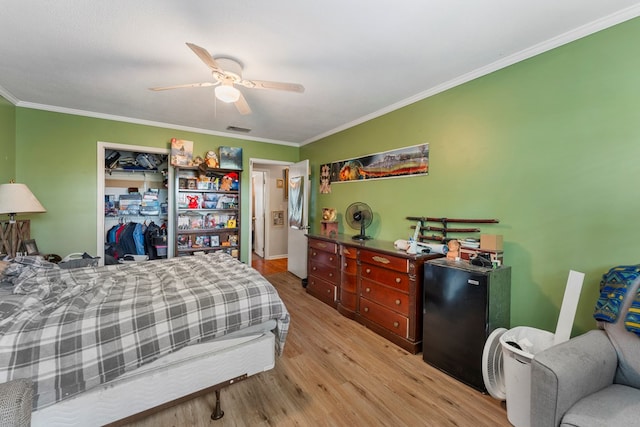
(207, 211)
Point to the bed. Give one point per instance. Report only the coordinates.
(104, 343)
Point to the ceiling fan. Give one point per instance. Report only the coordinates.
(228, 73)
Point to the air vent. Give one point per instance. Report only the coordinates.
(238, 129)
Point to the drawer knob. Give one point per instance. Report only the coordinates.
(330, 274)
(314, 253)
(398, 279)
(328, 291)
(366, 309)
(368, 290)
(314, 268)
(345, 265)
(396, 324)
(397, 302)
(330, 258)
(368, 270)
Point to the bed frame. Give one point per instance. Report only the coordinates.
(175, 378)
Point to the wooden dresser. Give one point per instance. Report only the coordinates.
(323, 271)
(371, 282)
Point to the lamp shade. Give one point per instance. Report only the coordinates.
(17, 198)
(227, 93)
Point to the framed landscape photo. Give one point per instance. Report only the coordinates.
(230, 158)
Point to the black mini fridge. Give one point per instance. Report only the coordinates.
(463, 304)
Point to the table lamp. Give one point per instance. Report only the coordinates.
(15, 199)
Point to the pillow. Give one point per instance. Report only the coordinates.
(626, 343)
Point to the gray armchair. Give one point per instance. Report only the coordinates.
(15, 403)
(591, 380)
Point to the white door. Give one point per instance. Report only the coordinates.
(258, 213)
(298, 220)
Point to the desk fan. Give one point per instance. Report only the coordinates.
(359, 216)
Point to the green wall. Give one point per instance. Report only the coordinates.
(7, 141)
(56, 157)
(548, 146)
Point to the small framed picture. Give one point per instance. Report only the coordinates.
(279, 183)
(30, 247)
(215, 241)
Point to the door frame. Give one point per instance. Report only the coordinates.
(100, 231)
(264, 176)
(255, 163)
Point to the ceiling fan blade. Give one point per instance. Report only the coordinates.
(205, 56)
(206, 84)
(261, 84)
(242, 105)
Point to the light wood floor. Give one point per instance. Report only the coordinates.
(335, 372)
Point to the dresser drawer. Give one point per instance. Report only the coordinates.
(383, 260)
(321, 289)
(349, 265)
(348, 300)
(348, 282)
(388, 297)
(321, 257)
(394, 322)
(391, 278)
(348, 252)
(323, 271)
(324, 246)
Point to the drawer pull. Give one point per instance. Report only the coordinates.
(314, 253)
(397, 302)
(366, 309)
(330, 258)
(368, 270)
(328, 291)
(396, 324)
(381, 259)
(314, 268)
(368, 290)
(398, 279)
(345, 265)
(330, 274)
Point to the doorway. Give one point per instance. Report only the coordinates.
(268, 207)
(281, 241)
(258, 180)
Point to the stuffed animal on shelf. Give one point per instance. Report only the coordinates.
(211, 159)
(193, 202)
(227, 181)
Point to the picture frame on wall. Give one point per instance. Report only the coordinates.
(230, 158)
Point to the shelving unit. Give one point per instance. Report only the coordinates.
(207, 211)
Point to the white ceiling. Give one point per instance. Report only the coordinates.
(357, 59)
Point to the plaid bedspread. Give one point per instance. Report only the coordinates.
(71, 330)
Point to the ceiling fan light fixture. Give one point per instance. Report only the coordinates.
(227, 93)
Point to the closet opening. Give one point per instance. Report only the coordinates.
(135, 193)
